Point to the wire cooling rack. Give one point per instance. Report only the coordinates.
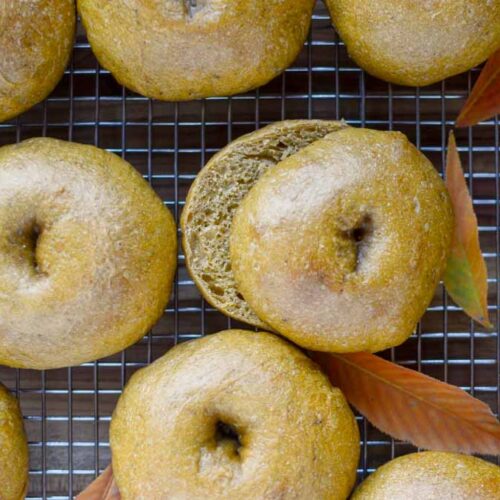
(67, 412)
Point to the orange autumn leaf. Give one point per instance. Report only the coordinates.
(484, 100)
(465, 276)
(411, 406)
(103, 488)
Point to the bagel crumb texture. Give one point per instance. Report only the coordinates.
(216, 194)
(14, 461)
(87, 254)
(340, 246)
(36, 39)
(179, 50)
(432, 476)
(417, 42)
(233, 415)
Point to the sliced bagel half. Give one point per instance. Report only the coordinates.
(217, 192)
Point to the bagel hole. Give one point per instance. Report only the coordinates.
(360, 235)
(192, 7)
(227, 436)
(30, 242)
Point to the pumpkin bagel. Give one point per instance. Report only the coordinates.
(233, 415)
(36, 39)
(87, 254)
(366, 171)
(178, 50)
(432, 475)
(417, 43)
(13, 449)
(340, 246)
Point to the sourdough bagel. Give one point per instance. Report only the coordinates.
(417, 43)
(432, 476)
(216, 193)
(234, 415)
(36, 38)
(340, 246)
(13, 449)
(87, 254)
(178, 50)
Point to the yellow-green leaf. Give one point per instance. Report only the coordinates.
(465, 276)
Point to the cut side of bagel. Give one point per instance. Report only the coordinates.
(216, 194)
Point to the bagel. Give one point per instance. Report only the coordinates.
(36, 39)
(233, 415)
(14, 460)
(417, 43)
(216, 193)
(340, 246)
(178, 50)
(432, 475)
(87, 254)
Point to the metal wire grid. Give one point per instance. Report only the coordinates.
(67, 412)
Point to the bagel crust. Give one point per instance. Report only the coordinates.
(87, 254)
(233, 415)
(420, 42)
(167, 50)
(340, 246)
(36, 39)
(13, 449)
(432, 475)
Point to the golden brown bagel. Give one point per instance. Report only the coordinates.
(234, 415)
(417, 43)
(87, 254)
(432, 475)
(216, 194)
(13, 449)
(173, 51)
(340, 246)
(36, 38)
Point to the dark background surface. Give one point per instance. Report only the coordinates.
(67, 412)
